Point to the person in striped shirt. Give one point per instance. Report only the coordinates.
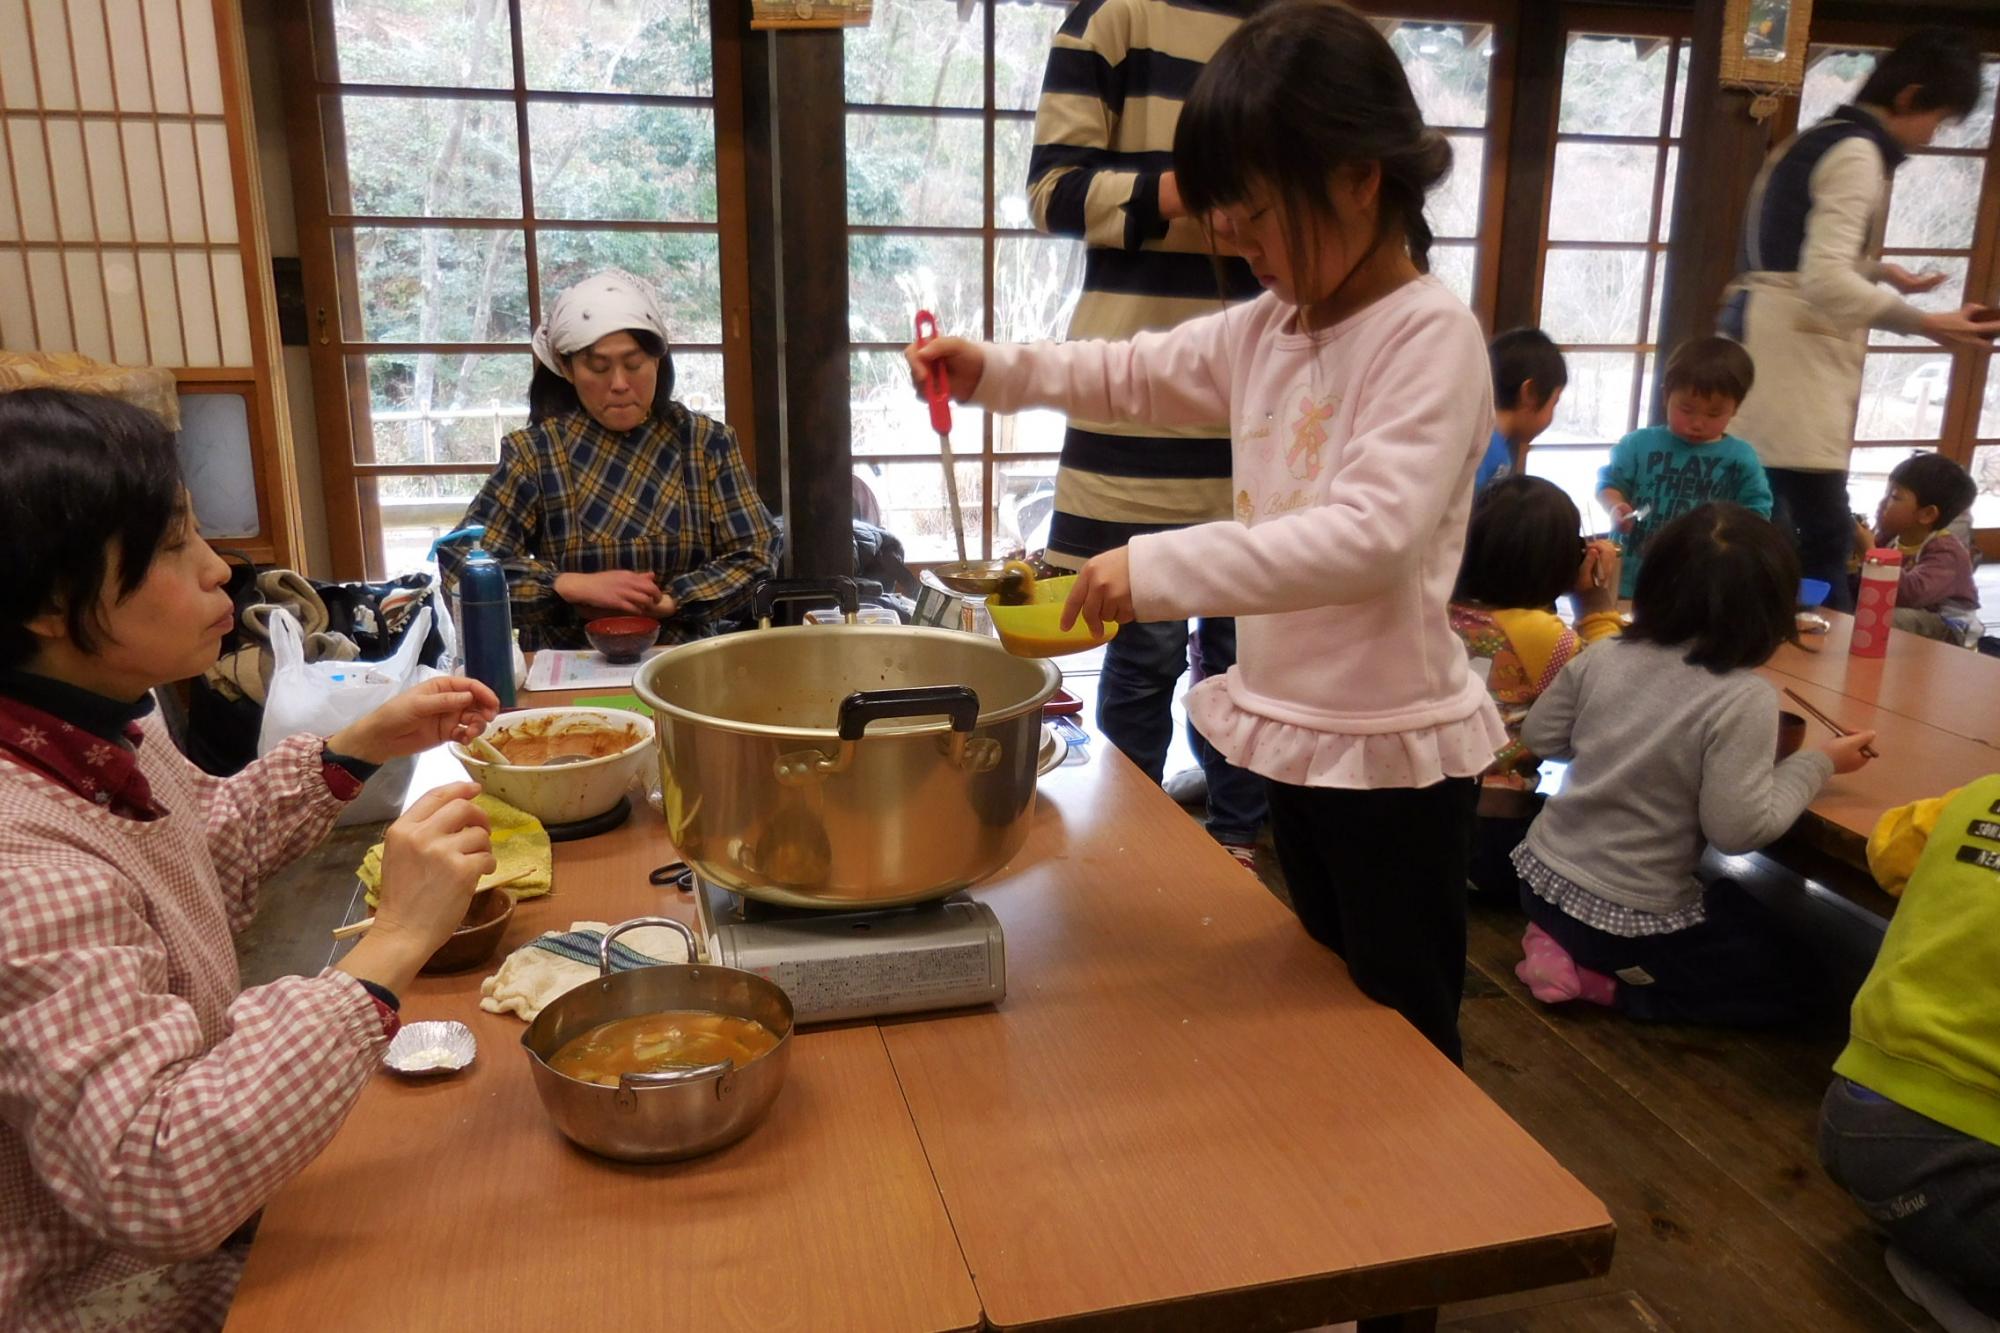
(1102, 171)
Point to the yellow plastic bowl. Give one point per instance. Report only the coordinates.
(1034, 630)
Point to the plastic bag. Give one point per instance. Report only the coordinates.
(319, 698)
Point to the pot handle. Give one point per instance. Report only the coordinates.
(771, 592)
(679, 928)
(631, 1085)
(957, 702)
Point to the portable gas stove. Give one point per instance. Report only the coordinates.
(947, 954)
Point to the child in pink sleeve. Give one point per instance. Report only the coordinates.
(1359, 405)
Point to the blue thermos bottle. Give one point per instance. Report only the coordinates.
(485, 618)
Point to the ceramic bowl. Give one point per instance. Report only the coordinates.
(1791, 734)
(478, 935)
(564, 793)
(622, 638)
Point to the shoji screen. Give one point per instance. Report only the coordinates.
(129, 233)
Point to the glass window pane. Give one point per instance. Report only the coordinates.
(915, 171)
(919, 53)
(1454, 205)
(1013, 142)
(438, 284)
(685, 268)
(413, 512)
(426, 157)
(439, 407)
(1454, 263)
(423, 42)
(1902, 395)
(1986, 471)
(1832, 78)
(1575, 470)
(1613, 85)
(1976, 130)
(1448, 76)
(1934, 203)
(1680, 87)
(1950, 296)
(1036, 281)
(890, 278)
(1593, 296)
(698, 383)
(639, 46)
(910, 498)
(1026, 500)
(1597, 405)
(1022, 36)
(1656, 280)
(889, 418)
(1989, 412)
(1602, 192)
(1868, 475)
(647, 163)
(1032, 432)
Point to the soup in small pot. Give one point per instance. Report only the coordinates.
(651, 1043)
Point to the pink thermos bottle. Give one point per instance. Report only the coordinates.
(1876, 604)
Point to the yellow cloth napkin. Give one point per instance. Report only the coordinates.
(520, 843)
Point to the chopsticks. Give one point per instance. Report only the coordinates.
(361, 927)
(1867, 750)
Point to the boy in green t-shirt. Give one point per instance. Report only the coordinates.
(1658, 473)
(1911, 1125)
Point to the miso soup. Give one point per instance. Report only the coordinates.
(651, 1043)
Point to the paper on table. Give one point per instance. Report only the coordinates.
(580, 669)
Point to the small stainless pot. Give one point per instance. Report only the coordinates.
(676, 1113)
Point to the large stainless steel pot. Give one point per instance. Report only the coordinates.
(678, 1113)
(809, 767)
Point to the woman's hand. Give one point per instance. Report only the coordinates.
(1845, 751)
(617, 591)
(1597, 578)
(431, 859)
(964, 363)
(1911, 284)
(666, 607)
(1970, 325)
(444, 708)
(1102, 592)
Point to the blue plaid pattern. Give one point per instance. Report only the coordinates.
(672, 498)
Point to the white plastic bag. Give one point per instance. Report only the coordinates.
(319, 698)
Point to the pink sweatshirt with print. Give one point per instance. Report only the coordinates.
(1354, 455)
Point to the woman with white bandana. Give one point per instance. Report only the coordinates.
(616, 500)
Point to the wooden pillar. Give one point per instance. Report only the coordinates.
(1722, 150)
(795, 154)
(1538, 70)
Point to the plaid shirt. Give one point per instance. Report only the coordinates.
(148, 1105)
(671, 498)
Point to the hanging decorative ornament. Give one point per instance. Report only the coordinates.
(810, 13)
(1764, 49)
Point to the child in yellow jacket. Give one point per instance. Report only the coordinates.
(1911, 1123)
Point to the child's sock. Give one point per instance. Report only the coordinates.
(1553, 977)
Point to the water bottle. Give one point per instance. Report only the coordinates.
(485, 618)
(1875, 607)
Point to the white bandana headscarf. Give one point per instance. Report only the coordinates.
(603, 303)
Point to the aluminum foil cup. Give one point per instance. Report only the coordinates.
(420, 1050)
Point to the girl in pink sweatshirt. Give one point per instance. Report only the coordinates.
(1359, 404)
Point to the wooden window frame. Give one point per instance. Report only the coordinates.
(341, 399)
(1590, 20)
(1958, 435)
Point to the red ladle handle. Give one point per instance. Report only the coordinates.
(937, 388)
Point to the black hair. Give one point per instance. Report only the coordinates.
(1722, 582)
(80, 474)
(1940, 63)
(1522, 355)
(550, 395)
(1524, 546)
(1936, 480)
(1711, 366)
(1301, 89)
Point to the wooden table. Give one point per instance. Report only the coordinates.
(1182, 1116)
(1940, 685)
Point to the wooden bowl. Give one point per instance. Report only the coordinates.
(478, 935)
(1791, 734)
